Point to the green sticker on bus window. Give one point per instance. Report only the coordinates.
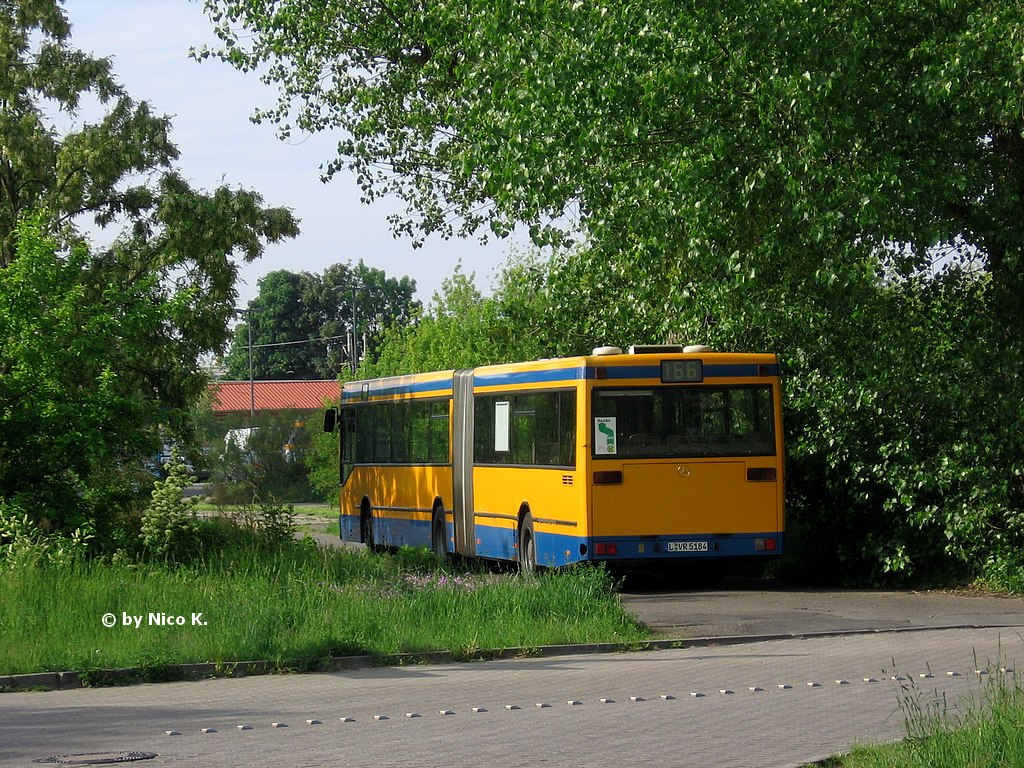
(604, 435)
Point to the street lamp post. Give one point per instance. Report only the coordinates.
(252, 384)
(248, 314)
(352, 335)
(354, 346)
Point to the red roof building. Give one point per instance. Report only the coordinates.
(230, 397)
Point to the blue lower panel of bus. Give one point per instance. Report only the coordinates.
(496, 543)
(554, 549)
(389, 531)
(348, 527)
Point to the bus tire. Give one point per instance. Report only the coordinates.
(366, 526)
(438, 534)
(527, 547)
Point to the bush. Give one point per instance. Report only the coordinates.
(322, 459)
(273, 523)
(23, 544)
(169, 525)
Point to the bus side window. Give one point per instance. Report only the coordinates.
(567, 429)
(347, 434)
(492, 429)
(362, 437)
(523, 430)
(419, 433)
(401, 433)
(438, 434)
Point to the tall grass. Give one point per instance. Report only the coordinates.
(291, 602)
(984, 731)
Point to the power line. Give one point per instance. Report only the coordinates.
(300, 341)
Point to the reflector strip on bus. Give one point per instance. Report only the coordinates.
(386, 389)
(528, 377)
(613, 372)
(734, 371)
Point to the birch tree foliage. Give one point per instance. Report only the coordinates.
(691, 140)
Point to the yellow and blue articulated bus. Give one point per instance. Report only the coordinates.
(658, 454)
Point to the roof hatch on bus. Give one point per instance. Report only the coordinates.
(655, 349)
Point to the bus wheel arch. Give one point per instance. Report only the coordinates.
(439, 531)
(527, 542)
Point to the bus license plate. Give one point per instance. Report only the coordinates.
(687, 546)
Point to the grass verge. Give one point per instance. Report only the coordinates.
(292, 602)
(983, 731)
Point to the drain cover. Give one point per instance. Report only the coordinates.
(97, 758)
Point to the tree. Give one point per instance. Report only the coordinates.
(101, 347)
(72, 415)
(302, 323)
(81, 172)
(456, 330)
(185, 235)
(275, 321)
(703, 141)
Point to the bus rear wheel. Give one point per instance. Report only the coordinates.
(366, 527)
(527, 547)
(438, 535)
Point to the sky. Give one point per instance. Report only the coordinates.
(210, 104)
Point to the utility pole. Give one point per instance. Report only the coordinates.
(352, 335)
(248, 313)
(252, 383)
(354, 348)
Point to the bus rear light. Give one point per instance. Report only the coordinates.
(606, 549)
(764, 545)
(761, 474)
(608, 477)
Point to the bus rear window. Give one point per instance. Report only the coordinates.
(680, 422)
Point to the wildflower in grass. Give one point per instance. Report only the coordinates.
(467, 582)
(330, 587)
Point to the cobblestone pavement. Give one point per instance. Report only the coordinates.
(758, 705)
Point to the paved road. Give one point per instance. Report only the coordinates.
(758, 724)
(767, 609)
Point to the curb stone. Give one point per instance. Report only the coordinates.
(56, 681)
